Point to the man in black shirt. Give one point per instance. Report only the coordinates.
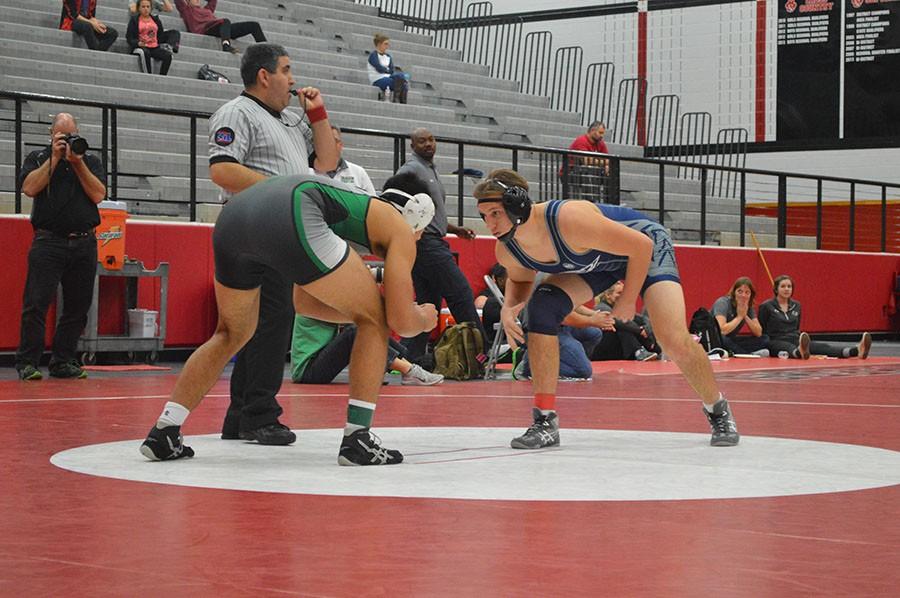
(66, 187)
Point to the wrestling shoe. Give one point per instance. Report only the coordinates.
(165, 445)
(803, 346)
(721, 422)
(364, 448)
(274, 434)
(68, 369)
(643, 354)
(419, 376)
(865, 343)
(544, 432)
(29, 372)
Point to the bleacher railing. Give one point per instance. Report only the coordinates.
(830, 209)
(496, 41)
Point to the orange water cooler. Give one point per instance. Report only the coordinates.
(111, 234)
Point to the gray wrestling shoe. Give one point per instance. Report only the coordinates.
(543, 433)
(721, 422)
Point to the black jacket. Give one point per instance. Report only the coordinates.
(131, 36)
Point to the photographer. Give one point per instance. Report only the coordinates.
(66, 183)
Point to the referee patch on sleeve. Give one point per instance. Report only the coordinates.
(224, 137)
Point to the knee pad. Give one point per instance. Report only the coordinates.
(547, 308)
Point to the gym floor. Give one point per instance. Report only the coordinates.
(633, 503)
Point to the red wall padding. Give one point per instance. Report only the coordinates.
(840, 292)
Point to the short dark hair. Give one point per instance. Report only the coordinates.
(260, 56)
(406, 182)
(497, 270)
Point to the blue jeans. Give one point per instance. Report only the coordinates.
(575, 344)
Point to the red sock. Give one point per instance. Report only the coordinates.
(546, 402)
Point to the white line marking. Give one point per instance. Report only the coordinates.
(463, 396)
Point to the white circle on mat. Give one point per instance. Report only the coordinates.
(477, 463)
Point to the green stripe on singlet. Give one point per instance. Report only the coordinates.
(352, 228)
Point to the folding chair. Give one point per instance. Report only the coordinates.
(490, 366)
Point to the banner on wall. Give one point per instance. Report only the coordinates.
(872, 69)
(809, 55)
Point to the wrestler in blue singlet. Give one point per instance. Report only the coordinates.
(599, 268)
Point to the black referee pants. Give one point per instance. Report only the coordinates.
(436, 276)
(259, 369)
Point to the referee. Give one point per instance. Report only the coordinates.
(251, 138)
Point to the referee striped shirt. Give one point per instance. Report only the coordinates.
(247, 132)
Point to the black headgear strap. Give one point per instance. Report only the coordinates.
(516, 204)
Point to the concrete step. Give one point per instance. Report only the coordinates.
(504, 109)
(342, 27)
(88, 91)
(730, 239)
(363, 42)
(718, 222)
(507, 94)
(339, 96)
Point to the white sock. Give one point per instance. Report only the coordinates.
(712, 408)
(172, 414)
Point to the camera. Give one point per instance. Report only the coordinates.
(378, 273)
(77, 144)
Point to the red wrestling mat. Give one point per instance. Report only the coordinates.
(737, 364)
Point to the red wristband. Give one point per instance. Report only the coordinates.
(317, 114)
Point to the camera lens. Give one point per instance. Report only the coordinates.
(79, 145)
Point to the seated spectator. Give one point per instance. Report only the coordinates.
(579, 333)
(780, 319)
(490, 305)
(78, 16)
(578, 336)
(321, 350)
(734, 310)
(144, 34)
(163, 5)
(347, 172)
(203, 21)
(587, 176)
(391, 80)
(629, 340)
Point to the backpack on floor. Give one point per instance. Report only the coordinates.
(207, 74)
(704, 325)
(459, 353)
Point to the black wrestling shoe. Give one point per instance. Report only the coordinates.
(274, 434)
(165, 445)
(364, 448)
(721, 422)
(68, 369)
